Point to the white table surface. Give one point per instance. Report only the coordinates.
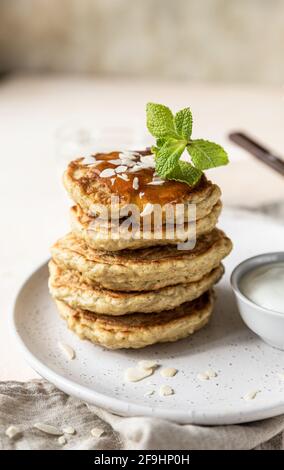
(33, 204)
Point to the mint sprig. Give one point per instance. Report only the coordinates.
(173, 136)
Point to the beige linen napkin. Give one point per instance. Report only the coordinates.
(24, 404)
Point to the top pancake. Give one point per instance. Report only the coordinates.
(135, 183)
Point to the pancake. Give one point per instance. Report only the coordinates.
(139, 330)
(102, 239)
(140, 185)
(145, 269)
(68, 286)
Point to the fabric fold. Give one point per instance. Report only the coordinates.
(24, 404)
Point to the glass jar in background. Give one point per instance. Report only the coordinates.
(77, 139)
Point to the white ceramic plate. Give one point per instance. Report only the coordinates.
(242, 361)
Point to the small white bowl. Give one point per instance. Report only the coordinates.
(267, 324)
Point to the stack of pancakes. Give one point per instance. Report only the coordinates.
(125, 291)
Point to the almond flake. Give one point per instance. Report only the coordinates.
(148, 161)
(211, 374)
(128, 155)
(68, 430)
(108, 172)
(61, 440)
(12, 431)
(48, 429)
(148, 209)
(89, 160)
(147, 364)
(97, 432)
(135, 168)
(208, 374)
(123, 177)
(120, 169)
(168, 372)
(133, 374)
(144, 167)
(115, 162)
(203, 376)
(250, 395)
(135, 183)
(128, 163)
(165, 390)
(156, 183)
(67, 350)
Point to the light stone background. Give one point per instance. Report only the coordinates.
(160, 41)
(33, 204)
(216, 40)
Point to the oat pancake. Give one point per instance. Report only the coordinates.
(139, 330)
(68, 286)
(87, 185)
(145, 269)
(101, 238)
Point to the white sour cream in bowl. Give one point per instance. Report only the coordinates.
(258, 284)
(265, 286)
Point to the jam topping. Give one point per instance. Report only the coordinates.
(131, 176)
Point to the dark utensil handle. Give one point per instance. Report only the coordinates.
(258, 150)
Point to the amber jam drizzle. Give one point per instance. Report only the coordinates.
(165, 193)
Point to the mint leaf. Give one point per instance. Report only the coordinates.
(160, 121)
(185, 173)
(168, 156)
(205, 154)
(173, 135)
(183, 123)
